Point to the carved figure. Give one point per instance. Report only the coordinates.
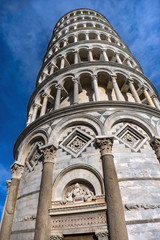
(78, 191)
(89, 196)
(69, 197)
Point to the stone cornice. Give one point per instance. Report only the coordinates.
(83, 108)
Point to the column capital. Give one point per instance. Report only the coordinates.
(130, 80)
(105, 144)
(17, 170)
(58, 86)
(56, 237)
(153, 96)
(37, 105)
(94, 76)
(144, 88)
(8, 182)
(114, 76)
(155, 143)
(102, 235)
(75, 79)
(48, 152)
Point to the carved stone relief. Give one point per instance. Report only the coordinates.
(79, 194)
(56, 237)
(76, 142)
(131, 137)
(33, 155)
(102, 235)
(141, 206)
(156, 147)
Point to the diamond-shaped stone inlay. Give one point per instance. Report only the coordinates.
(131, 137)
(76, 142)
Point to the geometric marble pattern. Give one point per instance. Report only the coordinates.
(76, 142)
(131, 137)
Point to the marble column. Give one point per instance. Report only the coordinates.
(29, 118)
(95, 87)
(87, 36)
(133, 90)
(35, 110)
(76, 58)
(156, 102)
(76, 90)
(98, 37)
(58, 96)
(109, 39)
(118, 59)
(129, 63)
(45, 195)
(148, 97)
(155, 143)
(105, 56)
(90, 56)
(116, 88)
(62, 63)
(65, 43)
(115, 212)
(75, 38)
(44, 104)
(13, 186)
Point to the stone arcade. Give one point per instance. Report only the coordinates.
(87, 164)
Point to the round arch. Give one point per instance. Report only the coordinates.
(129, 117)
(75, 173)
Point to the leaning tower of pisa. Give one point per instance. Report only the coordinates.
(87, 164)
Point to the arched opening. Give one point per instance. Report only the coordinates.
(68, 86)
(110, 54)
(81, 37)
(70, 39)
(89, 25)
(83, 53)
(92, 36)
(70, 58)
(104, 85)
(103, 37)
(96, 52)
(87, 94)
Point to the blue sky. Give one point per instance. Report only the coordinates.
(25, 30)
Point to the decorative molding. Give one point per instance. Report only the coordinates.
(74, 208)
(79, 220)
(141, 206)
